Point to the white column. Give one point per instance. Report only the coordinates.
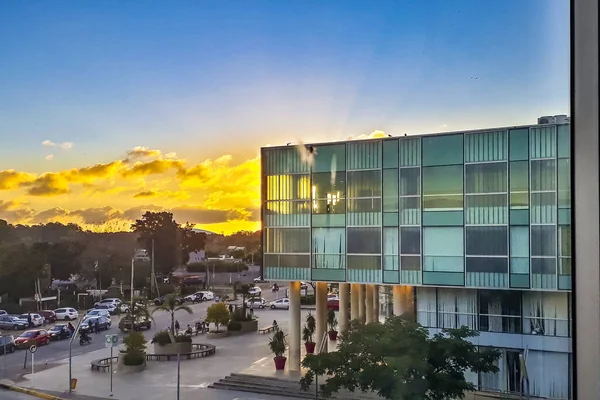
(354, 289)
(295, 326)
(586, 196)
(402, 299)
(321, 314)
(376, 302)
(343, 317)
(369, 308)
(361, 303)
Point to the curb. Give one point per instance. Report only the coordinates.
(30, 392)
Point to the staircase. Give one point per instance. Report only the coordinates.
(281, 387)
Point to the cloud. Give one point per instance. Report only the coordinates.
(11, 179)
(142, 152)
(137, 212)
(97, 216)
(376, 134)
(48, 185)
(11, 210)
(182, 195)
(202, 215)
(50, 215)
(154, 167)
(49, 157)
(64, 145)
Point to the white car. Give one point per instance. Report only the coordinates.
(36, 319)
(257, 302)
(255, 291)
(111, 308)
(98, 313)
(203, 295)
(2, 312)
(260, 280)
(112, 301)
(67, 313)
(282, 304)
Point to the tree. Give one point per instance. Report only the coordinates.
(398, 360)
(243, 290)
(171, 305)
(62, 257)
(217, 314)
(19, 268)
(172, 242)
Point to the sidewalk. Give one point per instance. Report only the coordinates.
(234, 354)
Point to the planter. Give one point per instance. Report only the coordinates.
(249, 326)
(217, 335)
(279, 363)
(332, 335)
(173, 348)
(310, 347)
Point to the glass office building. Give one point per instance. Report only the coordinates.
(477, 222)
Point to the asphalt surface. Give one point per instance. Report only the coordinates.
(13, 366)
(10, 395)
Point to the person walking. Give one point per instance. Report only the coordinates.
(177, 327)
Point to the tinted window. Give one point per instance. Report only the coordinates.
(61, 310)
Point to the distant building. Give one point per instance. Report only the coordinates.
(141, 255)
(197, 257)
(235, 248)
(203, 231)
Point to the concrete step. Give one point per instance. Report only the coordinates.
(281, 387)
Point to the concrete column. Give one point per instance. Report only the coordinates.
(295, 327)
(343, 317)
(376, 303)
(354, 289)
(321, 314)
(361, 303)
(369, 307)
(403, 300)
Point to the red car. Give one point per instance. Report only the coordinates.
(49, 316)
(35, 336)
(333, 303)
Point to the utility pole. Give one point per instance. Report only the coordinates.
(152, 274)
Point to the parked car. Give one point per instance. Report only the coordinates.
(35, 336)
(160, 300)
(103, 323)
(14, 323)
(140, 322)
(110, 308)
(59, 332)
(66, 314)
(260, 280)
(3, 312)
(198, 297)
(7, 344)
(255, 291)
(115, 302)
(333, 303)
(36, 319)
(282, 304)
(257, 302)
(98, 313)
(49, 316)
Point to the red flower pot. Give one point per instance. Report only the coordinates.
(279, 363)
(310, 347)
(332, 335)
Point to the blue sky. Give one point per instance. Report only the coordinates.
(208, 78)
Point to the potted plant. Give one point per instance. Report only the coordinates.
(308, 332)
(163, 344)
(134, 357)
(332, 324)
(277, 344)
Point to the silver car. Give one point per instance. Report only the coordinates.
(281, 304)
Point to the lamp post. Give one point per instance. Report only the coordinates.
(97, 268)
(132, 264)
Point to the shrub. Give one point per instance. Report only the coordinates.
(234, 326)
(162, 338)
(308, 300)
(134, 359)
(238, 315)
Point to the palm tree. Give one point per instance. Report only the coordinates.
(171, 305)
(243, 290)
(139, 310)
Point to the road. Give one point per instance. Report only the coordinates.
(12, 365)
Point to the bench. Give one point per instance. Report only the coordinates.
(102, 363)
(267, 329)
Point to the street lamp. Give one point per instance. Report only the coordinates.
(97, 268)
(131, 304)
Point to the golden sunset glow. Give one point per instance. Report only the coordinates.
(220, 195)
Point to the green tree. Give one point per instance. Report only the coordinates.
(19, 268)
(398, 360)
(172, 242)
(217, 314)
(62, 257)
(171, 305)
(243, 289)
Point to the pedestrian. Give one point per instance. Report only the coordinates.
(97, 326)
(177, 327)
(29, 323)
(230, 309)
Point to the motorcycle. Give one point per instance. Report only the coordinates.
(84, 339)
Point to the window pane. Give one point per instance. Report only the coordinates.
(543, 208)
(294, 261)
(564, 241)
(330, 261)
(519, 241)
(364, 205)
(410, 181)
(364, 240)
(543, 266)
(543, 142)
(390, 190)
(487, 240)
(283, 161)
(443, 203)
(331, 157)
(322, 185)
(443, 241)
(542, 175)
(410, 151)
(564, 183)
(410, 240)
(486, 146)
(443, 180)
(442, 150)
(364, 155)
(486, 178)
(329, 206)
(390, 241)
(490, 265)
(410, 263)
(329, 240)
(390, 154)
(519, 184)
(519, 144)
(288, 187)
(486, 209)
(410, 211)
(364, 183)
(364, 262)
(287, 240)
(564, 141)
(543, 240)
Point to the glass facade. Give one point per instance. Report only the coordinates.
(485, 209)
